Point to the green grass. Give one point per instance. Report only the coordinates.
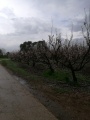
(16, 69)
(13, 66)
(62, 75)
(65, 76)
(3, 59)
(83, 79)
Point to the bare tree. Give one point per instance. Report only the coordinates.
(45, 55)
(54, 44)
(28, 52)
(76, 56)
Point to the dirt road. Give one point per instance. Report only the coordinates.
(17, 103)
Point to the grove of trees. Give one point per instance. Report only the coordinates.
(57, 52)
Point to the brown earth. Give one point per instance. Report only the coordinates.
(72, 105)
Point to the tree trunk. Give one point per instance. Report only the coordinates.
(51, 69)
(28, 63)
(33, 63)
(74, 77)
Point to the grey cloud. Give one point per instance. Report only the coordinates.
(30, 26)
(79, 41)
(8, 12)
(61, 11)
(62, 7)
(24, 29)
(25, 25)
(78, 24)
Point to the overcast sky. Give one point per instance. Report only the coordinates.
(31, 20)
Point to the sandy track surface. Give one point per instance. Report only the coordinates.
(17, 103)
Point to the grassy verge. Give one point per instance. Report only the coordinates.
(57, 83)
(62, 76)
(3, 59)
(21, 72)
(14, 67)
